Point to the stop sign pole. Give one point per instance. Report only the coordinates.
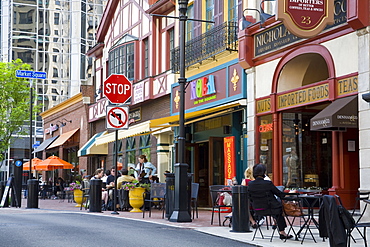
(118, 90)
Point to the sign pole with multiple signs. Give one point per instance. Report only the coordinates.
(118, 90)
(30, 75)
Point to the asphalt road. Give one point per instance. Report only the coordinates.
(73, 229)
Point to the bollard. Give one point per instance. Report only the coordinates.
(95, 195)
(240, 216)
(33, 193)
(2, 190)
(170, 194)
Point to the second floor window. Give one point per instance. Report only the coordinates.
(190, 24)
(121, 60)
(233, 11)
(210, 13)
(146, 58)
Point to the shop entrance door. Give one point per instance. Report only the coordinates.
(208, 167)
(216, 160)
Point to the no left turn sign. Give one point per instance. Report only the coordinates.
(117, 117)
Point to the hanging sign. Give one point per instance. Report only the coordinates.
(305, 18)
(229, 159)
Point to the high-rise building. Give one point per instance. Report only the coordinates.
(52, 36)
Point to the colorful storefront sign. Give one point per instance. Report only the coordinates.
(229, 159)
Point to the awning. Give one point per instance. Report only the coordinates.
(155, 125)
(90, 148)
(135, 130)
(339, 115)
(63, 138)
(172, 120)
(45, 144)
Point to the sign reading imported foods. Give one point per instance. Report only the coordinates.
(305, 18)
(303, 96)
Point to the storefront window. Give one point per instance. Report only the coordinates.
(266, 132)
(130, 150)
(306, 154)
(145, 146)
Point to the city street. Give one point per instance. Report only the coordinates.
(30, 229)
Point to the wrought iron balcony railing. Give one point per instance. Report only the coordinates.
(217, 40)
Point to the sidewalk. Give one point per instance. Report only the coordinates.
(201, 224)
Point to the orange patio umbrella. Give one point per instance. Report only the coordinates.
(119, 166)
(35, 161)
(53, 163)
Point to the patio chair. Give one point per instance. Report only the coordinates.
(350, 223)
(157, 196)
(194, 197)
(267, 213)
(215, 191)
(361, 197)
(123, 199)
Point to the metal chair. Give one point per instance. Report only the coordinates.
(350, 223)
(157, 196)
(215, 191)
(194, 197)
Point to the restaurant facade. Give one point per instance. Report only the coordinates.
(308, 109)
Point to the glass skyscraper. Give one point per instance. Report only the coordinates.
(52, 36)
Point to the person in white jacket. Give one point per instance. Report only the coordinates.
(144, 168)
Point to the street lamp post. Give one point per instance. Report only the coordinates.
(181, 212)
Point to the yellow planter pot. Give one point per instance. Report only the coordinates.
(78, 197)
(136, 199)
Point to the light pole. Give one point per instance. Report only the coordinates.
(181, 212)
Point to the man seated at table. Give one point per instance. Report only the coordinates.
(124, 178)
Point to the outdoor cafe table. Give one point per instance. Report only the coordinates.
(310, 201)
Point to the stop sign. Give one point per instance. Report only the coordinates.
(117, 88)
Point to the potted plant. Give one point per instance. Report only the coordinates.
(77, 192)
(136, 194)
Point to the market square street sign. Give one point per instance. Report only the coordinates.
(117, 88)
(305, 18)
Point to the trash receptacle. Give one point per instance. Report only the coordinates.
(240, 215)
(33, 193)
(190, 180)
(170, 194)
(95, 195)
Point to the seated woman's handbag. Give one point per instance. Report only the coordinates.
(292, 208)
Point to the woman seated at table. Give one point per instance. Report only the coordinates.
(264, 202)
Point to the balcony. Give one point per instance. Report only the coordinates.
(207, 46)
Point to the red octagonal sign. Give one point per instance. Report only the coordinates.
(117, 88)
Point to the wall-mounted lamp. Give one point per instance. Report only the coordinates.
(70, 121)
(366, 97)
(61, 124)
(244, 23)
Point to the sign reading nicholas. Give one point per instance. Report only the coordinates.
(305, 18)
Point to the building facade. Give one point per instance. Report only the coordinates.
(211, 62)
(305, 106)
